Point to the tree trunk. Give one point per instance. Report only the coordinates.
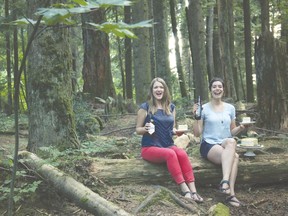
(197, 45)
(216, 47)
(141, 52)
(182, 81)
(75, 191)
(262, 169)
(209, 41)
(265, 25)
(272, 89)
(51, 117)
(248, 57)
(96, 71)
(225, 47)
(186, 59)
(9, 108)
(128, 57)
(161, 41)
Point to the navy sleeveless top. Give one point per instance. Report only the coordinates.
(162, 137)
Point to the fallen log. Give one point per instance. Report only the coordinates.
(261, 169)
(75, 191)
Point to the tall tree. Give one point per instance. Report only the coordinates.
(96, 71)
(195, 24)
(265, 25)
(128, 56)
(272, 74)
(185, 48)
(248, 57)
(209, 39)
(182, 80)
(8, 62)
(152, 41)
(216, 46)
(225, 46)
(236, 76)
(141, 52)
(283, 5)
(49, 85)
(161, 41)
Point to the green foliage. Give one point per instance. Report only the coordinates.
(98, 148)
(121, 29)
(7, 123)
(62, 13)
(23, 22)
(86, 121)
(23, 188)
(21, 192)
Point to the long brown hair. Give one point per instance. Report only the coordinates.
(165, 101)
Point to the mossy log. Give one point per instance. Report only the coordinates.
(72, 189)
(261, 169)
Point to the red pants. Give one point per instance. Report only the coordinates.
(177, 161)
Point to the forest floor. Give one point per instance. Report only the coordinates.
(258, 199)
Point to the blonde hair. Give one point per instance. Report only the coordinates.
(165, 101)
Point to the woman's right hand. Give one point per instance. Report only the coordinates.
(149, 127)
(195, 107)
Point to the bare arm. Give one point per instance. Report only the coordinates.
(198, 127)
(236, 129)
(198, 124)
(140, 127)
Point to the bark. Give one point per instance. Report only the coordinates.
(75, 191)
(161, 41)
(262, 169)
(209, 41)
(49, 85)
(225, 47)
(9, 108)
(141, 52)
(197, 45)
(265, 25)
(216, 46)
(182, 82)
(272, 75)
(248, 57)
(128, 57)
(97, 75)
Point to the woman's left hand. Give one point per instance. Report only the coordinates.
(177, 132)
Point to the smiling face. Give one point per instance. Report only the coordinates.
(158, 90)
(217, 90)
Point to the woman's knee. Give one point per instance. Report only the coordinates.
(181, 153)
(231, 142)
(170, 154)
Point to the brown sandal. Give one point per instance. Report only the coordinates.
(230, 200)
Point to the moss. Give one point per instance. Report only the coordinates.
(219, 210)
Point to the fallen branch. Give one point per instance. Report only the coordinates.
(120, 129)
(148, 200)
(193, 207)
(75, 191)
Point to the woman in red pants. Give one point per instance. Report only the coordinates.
(156, 122)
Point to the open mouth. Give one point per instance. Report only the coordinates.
(158, 94)
(217, 93)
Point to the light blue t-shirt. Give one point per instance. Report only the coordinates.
(216, 125)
